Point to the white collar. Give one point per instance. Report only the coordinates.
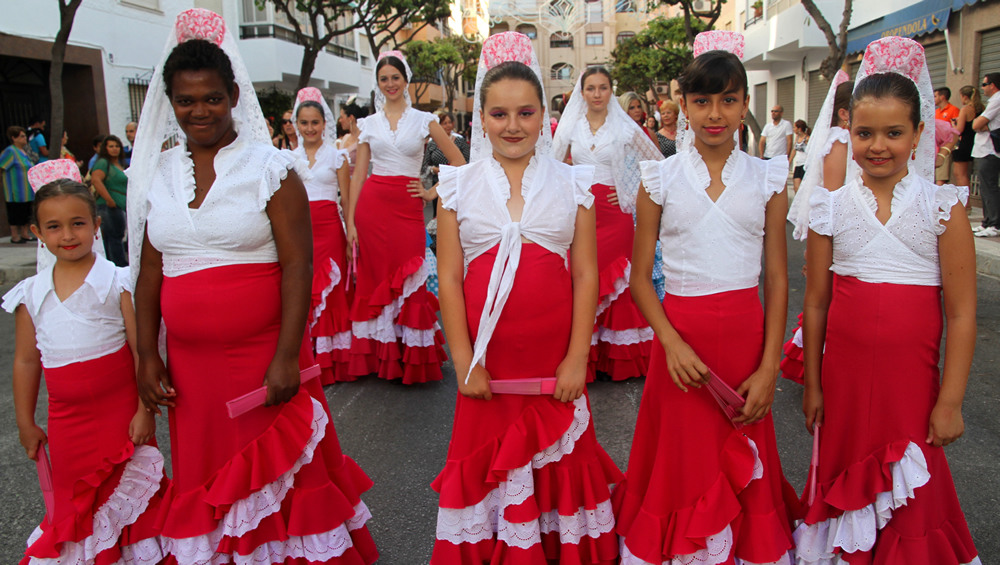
(101, 279)
(502, 184)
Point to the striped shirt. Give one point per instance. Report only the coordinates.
(15, 165)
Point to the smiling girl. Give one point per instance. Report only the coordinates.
(394, 320)
(894, 241)
(697, 490)
(525, 480)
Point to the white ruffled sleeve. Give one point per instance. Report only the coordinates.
(16, 296)
(448, 187)
(945, 198)
(651, 179)
(123, 280)
(364, 133)
(276, 170)
(776, 176)
(836, 135)
(583, 179)
(821, 211)
(424, 125)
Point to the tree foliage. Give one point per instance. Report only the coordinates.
(695, 21)
(444, 61)
(383, 20)
(657, 53)
(837, 41)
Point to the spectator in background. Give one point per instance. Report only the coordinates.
(636, 109)
(666, 136)
(65, 153)
(987, 160)
(14, 162)
(945, 139)
(802, 133)
(776, 137)
(434, 157)
(127, 148)
(111, 184)
(98, 140)
(972, 106)
(944, 111)
(287, 138)
(38, 147)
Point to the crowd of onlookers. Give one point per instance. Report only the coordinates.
(104, 173)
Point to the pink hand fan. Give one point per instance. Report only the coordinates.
(251, 400)
(814, 464)
(525, 387)
(45, 481)
(730, 402)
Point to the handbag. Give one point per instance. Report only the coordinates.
(995, 138)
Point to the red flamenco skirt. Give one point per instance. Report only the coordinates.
(525, 482)
(107, 491)
(394, 320)
(270, 486)
(622, 339)
(330, 320)
(883, 495)
(793, 363)
(697, 490)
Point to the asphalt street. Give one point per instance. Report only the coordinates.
(399, 435)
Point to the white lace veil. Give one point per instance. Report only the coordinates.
(906, 57)
(312, 94)
(41, 175)
(158, 128)
(636, 145)
(798, 212)
(379, 97)
(715, 40)
(500, 48)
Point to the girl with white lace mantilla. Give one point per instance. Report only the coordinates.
(596, 131)
(525, 481)
(697, 490)
(893, 241)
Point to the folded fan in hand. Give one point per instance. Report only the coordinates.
(45, 481)
(251, 400)
(730, 402)
(526, 387)
(814, 464)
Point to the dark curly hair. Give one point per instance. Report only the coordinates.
(198, 55)
(352, 109)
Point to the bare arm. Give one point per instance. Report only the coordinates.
(761, 145)
(571, 375)
(790, 144)
(27, 379)
(155, 388)
(357, 181)
(446, 145)
(981, 124)
(143, 425)
(97, 179)
(819, 292)
(288, 211)
(344, 182)
(958, 279)
(835, 166)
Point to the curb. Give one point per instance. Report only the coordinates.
(987, 257)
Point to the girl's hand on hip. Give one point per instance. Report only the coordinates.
(417, 190)
(613, 196)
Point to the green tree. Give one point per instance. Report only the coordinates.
(695, 20)
(658, 52)
(383, 20)
(426, 60)
(837, 41)
(453, 73)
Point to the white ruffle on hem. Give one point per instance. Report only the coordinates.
(857, 530)
(139, 482)
(246, 514)
(484, 520)
(334, 281)
(326, 344)
(620, 285)
(384, 328)
(622, 337)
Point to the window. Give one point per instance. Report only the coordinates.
(595, 38)
(137, 88)
(529, 30)
(499, 28)
(562, 71)
(595, 11)
(148, 4)
(254, 15)
(557, 40)
(624, 36)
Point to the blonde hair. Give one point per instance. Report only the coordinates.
(626, 100)
(670, 105)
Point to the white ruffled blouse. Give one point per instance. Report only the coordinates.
(400, 152)
(711, 247)
(597, 150)
(905, 249)
(324, 184)
(87, 325)
(231, 227)
(837, 135)
(478, 194)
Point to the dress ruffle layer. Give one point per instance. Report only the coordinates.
(508, 502)
(622, 340)
(250, 512)
(395, 330)
(793, 363)
(116, 530)
(330, 323)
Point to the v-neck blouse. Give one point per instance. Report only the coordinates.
(712, 247)
(400, 152)
(231, 227)
(87, 325)
(324, 184)
(905, 249)
(605, 150)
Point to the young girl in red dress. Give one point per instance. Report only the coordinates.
(330, 179)
(697, 490)
(75, 321)
(525, 481)
(893, 241)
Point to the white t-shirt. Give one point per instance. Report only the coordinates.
(777, 138)
(983, 145)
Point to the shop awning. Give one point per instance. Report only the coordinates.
(919, 19)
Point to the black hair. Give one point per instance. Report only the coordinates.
(944, 91)
(714, 72)
(355, 111)
(102, 153)
(841, 101)
(36, 119)
(311, 104)
(14, 131)
(198, 55)
(395, 62)
(591, 71)
(510, 70)
(993, 78)
(63, 187)
(98, 140)
(884, 86)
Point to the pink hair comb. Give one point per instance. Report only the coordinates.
(309, 93)
(718, 40)
(198, 23)
(506, 46)
(895, 55)
(251, 400)
(44, 173)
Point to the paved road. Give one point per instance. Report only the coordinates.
(399, 435)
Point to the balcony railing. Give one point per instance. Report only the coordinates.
(753, 20)
(253, 31)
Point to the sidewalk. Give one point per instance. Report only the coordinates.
(987, 248)
(17, 262)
